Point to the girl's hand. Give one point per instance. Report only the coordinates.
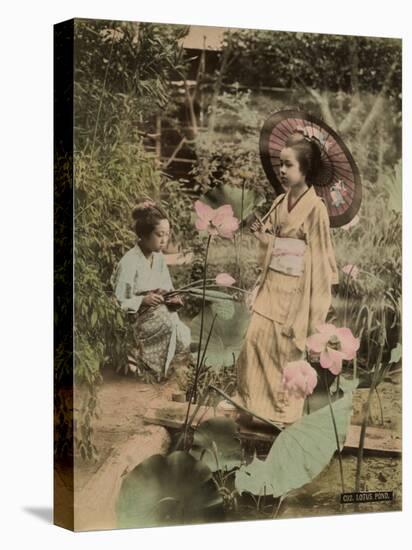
(152, 299)
(257, 230)
(256, 226)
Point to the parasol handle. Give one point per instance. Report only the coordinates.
(265, 217)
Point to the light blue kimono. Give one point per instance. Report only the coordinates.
(159, 333)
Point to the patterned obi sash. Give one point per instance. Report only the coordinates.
(288, 256)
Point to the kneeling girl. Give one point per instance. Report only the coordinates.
(141, 281)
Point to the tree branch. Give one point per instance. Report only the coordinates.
(191, 110)
(377, 106)
(322, 99)
(353, 49)
(175, 152)
(347, 122)
(356, 104)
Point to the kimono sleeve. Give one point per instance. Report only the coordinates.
(123, 282)
(323, 267)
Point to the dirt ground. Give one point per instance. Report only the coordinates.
(124, 400)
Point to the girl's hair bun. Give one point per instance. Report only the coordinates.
(146, 215)
(142, 207)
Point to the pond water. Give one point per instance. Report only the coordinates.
(321, 497)
(123, 402)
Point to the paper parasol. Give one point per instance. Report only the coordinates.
(338, 181)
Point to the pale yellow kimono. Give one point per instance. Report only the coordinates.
(287, 308)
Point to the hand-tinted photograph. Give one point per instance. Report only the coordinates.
(228, 274)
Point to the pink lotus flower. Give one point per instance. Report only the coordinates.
(334, 345)
(219, 221)
(352, 223)
(225, 279)
(299, 378)
(351, 270)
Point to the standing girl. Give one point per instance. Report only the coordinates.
(293, 294)
(140, 281)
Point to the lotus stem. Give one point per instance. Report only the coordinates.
(189, 291)
(244, 409)
(207, 342)
(202, 318)
(380, 404)
(193, 392)
(367, 412)
(307, 405)
(276, 512)
(186, 290)
(188, 423)
(231, 286)
(194, 283)
(346, 296)
(336, 432)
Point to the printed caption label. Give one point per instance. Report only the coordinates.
(370, 496)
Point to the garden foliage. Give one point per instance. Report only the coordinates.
(123, 74)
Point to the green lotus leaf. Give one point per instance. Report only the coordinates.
(228, 194)
(224, 309)
(227, 335)
(222, 304)
(168, 490)
(216, 442)
(299, 453)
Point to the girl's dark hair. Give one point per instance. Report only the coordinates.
(307, 153)
(146, 216)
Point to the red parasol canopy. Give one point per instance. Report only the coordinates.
(338, 181)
